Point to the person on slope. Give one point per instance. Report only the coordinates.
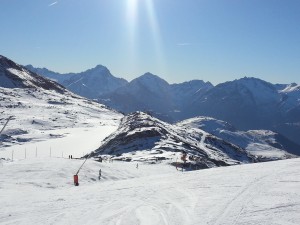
(99, 174)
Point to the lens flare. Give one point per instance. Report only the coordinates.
(132, 17)
(155, 34)
(132, 6)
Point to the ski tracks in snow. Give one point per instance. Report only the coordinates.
(234, 209)
(150, 205)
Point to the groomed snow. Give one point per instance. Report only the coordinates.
(64, 142)
(40, 191)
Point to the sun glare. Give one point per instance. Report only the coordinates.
(132, 6)
(155, 34)
(132, 9)
(132, 20)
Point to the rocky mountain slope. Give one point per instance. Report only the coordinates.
(143, 137)
(13, 75)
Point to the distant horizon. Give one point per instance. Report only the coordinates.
(156, 75)
(211, 40)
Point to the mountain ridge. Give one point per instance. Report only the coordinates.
(247, 103)
(142, 137)
(90, 83)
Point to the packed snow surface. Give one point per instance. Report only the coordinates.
(40, 115)
(40, 190)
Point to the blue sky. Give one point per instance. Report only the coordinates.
(179, 40)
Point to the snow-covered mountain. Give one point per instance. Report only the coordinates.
(247, 103)
(94, 82)
(263, 144)
(49, 117)
(13, 75)
(290, 103)
(135, 192)
(90, 84)
(153, 94)
(147, 93)
(40, 106)
(182, 92)
(143, 137)
(251, 103)
(58, 77)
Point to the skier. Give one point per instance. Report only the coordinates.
(137, 165)
(99, 174)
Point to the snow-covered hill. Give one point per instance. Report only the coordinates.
(264, 144)
(43, 109)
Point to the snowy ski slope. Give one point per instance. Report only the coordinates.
(40, 191)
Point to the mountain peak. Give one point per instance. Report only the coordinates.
(98, 70)
(251, 84)
(100, 67)
(249, 79)
(150, 76)
(151, 79)
(6, 63)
